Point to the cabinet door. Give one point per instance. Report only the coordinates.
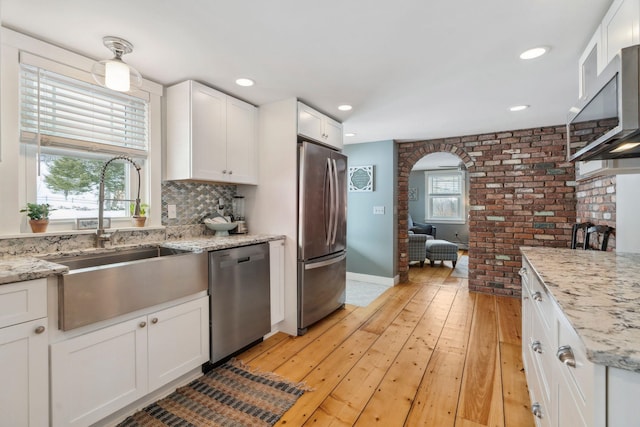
(620, 27)
(24, 395)
(590, 64)
(23, 301)
(95, 374)
(178, 341)
(276, 276)
(242, 141)
(310, 122)
(333, 133)
(208, 133)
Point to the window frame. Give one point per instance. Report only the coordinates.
(14, 166)
(461, 196)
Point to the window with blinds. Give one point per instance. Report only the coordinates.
(69, 129)
(445, 198)
(60, 111)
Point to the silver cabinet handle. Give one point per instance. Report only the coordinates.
(565, 355)
(537, 410)
(230, 172)
(39, 330)
(536, 296)
(536, 346)
(142, 324)
(224, 171)
(154, 320)
(522, 272)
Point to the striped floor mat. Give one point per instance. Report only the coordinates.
(230, 395)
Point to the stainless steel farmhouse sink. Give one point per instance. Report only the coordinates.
(106, 285)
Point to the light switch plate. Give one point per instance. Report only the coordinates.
(171, 211)
(378, 210)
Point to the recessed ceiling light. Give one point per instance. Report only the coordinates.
(534, 53)
(518, 107)
(349, 134)
(345, 107)
(245, 82)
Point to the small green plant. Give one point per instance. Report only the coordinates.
(143, 209)
(37, 211)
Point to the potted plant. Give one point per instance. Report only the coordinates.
(38, 214)
(139, 221)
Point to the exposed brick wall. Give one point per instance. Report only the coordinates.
(522, 193)
(596, 203)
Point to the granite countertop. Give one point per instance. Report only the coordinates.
(599, 292)
(19, 269)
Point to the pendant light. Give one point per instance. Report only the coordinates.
(115, 73)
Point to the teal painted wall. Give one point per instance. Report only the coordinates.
(372, 239)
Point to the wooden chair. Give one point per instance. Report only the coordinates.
(580, 230)
(597, 237)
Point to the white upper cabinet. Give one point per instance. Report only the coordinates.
(317, 126)
(620, 27)
(210, 136)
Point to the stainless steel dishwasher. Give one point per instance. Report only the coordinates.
(239, 298)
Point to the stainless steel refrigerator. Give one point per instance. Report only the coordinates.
(322, 232)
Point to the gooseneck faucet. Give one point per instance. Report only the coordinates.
(101, 235)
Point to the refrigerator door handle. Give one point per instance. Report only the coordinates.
(324, 263)
(336, 204)
(331, 207)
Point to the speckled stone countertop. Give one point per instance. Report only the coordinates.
(216, 243)
(18, 269)
(599, 292)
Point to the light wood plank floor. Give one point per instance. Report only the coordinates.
(425, 353)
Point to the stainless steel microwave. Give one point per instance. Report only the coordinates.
(606, 124)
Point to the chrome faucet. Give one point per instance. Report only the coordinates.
(101, 235)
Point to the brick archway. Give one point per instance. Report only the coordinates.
(408, 155)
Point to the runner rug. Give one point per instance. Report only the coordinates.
(230, 395)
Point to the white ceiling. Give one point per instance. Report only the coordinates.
(412, 69)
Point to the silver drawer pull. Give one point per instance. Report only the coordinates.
(39, 330)
(565, 355)
(536, 346)
(536, 296)
(142, 324)
(537, 410)
(154, 320)
(522, 272)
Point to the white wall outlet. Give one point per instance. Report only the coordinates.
(171, 211)
(378, 210)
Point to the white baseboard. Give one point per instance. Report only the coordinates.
(378, 280)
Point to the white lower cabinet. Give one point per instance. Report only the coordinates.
(95, 374)
(24, 371)
(24, 363)
(566, 389)
(276, 261)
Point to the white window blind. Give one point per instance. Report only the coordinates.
(445, 184)
(66, 112)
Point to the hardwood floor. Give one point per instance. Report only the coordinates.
(425, 353)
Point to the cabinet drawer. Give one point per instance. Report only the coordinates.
(542, 303)
(542, 353)
(23, 301)
(583, 374)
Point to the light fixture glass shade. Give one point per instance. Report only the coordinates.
(116, 76)
(115, 73)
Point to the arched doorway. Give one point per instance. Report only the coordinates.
(407, 158)
(438, 172)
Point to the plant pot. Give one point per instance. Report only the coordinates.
(38, 225)
(138, 221)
